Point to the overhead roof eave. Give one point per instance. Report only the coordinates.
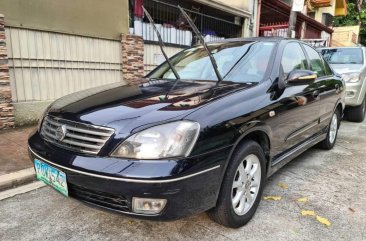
(226, 8)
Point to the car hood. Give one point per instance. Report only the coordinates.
(347, 68)
(126, 107)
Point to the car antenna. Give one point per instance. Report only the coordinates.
(197, 32)
(161, 44)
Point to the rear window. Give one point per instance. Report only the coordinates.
(343, 55)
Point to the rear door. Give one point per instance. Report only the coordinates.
(327, 85)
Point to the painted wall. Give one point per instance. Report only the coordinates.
(345, 36)
(319, 11)
(106, 19)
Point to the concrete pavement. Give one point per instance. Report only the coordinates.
(333, 181)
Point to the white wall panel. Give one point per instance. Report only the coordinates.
(47, 65)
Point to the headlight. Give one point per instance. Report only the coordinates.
(175, 139)
(351, 77)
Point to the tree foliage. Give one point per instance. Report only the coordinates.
(350, 19)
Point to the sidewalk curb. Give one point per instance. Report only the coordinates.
(17, 178)
(21, 189)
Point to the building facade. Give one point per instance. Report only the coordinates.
(314, 23)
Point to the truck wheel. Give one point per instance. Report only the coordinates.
(329, 142)
(356, 114)
(242, 186)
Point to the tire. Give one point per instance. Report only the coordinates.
(332, 132)
(225, 213)
(356, 114)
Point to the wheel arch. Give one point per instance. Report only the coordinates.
(340, 109)
(340, 105)
(259, 133)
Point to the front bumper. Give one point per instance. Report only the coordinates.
(355, 93)
(190, 186)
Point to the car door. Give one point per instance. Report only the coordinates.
(297, 111)
(326, 83)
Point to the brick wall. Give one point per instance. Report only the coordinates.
(6, 106)
(132, 59)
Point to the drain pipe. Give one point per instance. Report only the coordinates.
(258, 16)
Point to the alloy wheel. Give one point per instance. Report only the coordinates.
(246, 184)
(333, 128)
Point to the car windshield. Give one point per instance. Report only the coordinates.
(343, 56)
(236, 62)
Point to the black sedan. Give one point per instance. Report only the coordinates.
(175, 147)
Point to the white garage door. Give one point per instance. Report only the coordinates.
(47, 65)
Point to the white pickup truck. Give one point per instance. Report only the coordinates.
(350, 63)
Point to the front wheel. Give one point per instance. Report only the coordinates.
(356, 114)
(329, 142)
(242, 186)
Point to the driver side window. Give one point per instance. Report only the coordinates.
(316, 63)
(293, 58)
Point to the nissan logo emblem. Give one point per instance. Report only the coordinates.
(61, 133)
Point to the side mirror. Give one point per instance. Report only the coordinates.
(300, 77)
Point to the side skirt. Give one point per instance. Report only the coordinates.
(286, 157)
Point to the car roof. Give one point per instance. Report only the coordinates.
(251, 39)
(343, 47)
(259, 39)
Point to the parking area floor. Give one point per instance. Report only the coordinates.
(334, 183)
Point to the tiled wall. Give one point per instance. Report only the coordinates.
(132, 59)
(6, 106)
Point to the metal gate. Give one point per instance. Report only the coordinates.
(47, 65)
(274, 29)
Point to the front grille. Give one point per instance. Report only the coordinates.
(75, 136)
(116, 202)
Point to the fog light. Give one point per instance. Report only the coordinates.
(148, 205)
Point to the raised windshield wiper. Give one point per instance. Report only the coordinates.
(161, 44)
(197, 32)
(237, 62)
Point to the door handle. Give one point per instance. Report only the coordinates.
(316, 94)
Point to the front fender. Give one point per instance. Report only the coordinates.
(250, 128)
(247, 129)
